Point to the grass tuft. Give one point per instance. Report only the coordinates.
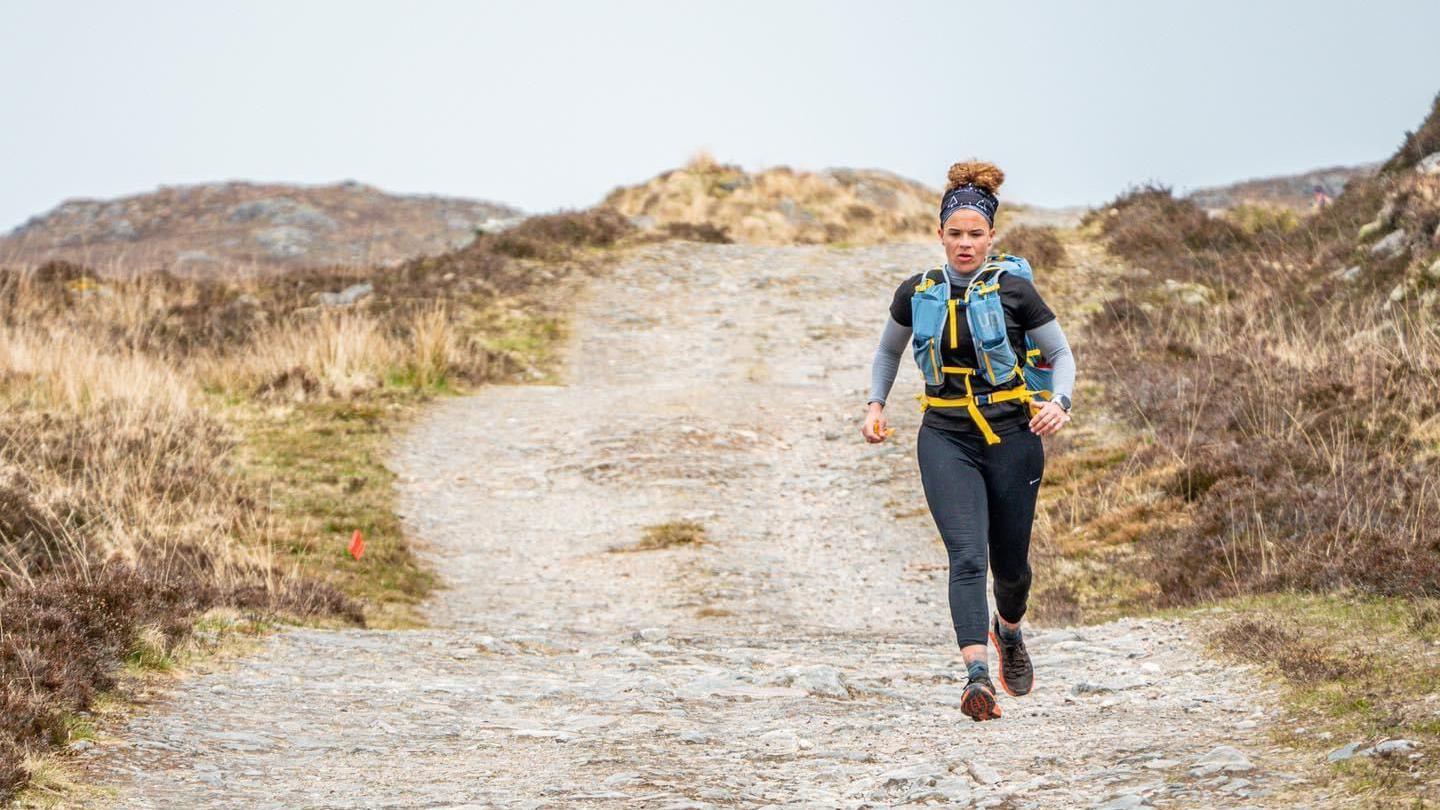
(672, 534)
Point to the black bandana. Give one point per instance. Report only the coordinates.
(972, 197)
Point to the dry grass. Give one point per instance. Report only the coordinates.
(1352, 669)
(341, 354)
(669, 535)
(1294, 412)
(171, 446)
(781, 206)
(1272, 449)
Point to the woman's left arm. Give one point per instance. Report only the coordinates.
(1041, 326)
(1050, 339)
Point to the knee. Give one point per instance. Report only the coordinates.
(1016, 581)
(966, 565)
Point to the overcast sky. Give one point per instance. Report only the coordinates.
(551, 104)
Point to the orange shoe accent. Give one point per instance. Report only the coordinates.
(981, 705)
(1000, 668)
(1000, 664)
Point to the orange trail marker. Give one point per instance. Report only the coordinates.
(357, 545)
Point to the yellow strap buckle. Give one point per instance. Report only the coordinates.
(972, 402)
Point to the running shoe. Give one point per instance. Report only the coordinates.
(978, 700)
(1016, 674)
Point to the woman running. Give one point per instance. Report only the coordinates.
(979, 448)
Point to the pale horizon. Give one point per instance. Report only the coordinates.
(550, 105)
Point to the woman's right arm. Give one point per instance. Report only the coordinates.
(887, 359)
(893, 338)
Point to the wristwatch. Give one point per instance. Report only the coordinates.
(1063, 400)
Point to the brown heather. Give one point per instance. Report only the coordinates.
(1039, 245)
(1292, 413)
(1263, 441)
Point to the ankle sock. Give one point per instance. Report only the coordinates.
(1006, 633)
(978, 669)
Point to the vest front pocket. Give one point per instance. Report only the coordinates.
(986, 315)
(928, 311)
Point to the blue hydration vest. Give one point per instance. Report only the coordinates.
(933, 318)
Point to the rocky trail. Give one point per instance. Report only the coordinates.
(801, 655)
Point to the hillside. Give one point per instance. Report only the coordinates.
(1294, 191)
(1318, 479)
(195, 230)
(780, 205)
(183, 460)
(1273, 378)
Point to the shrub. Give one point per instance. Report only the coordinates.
(557, 236)
(1254, 218)
(1038, 245)
(61, 638)
(1149, 225)
(1293, 419)
(698, 232)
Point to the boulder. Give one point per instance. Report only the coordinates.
(194, 258)
(122, 229)
(347, 296)
(1123, 801)
(285, 241)
(782, 742)
(1189, 293)
(281, 211)
(1343, 753)
(982, 772)
(1222, 758)
(1391, 747)
(1393, 244)
(818, 679)
(923, 773)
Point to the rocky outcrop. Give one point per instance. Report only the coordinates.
(782, 206)
(1295, 191)
(221, 227)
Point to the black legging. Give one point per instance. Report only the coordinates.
(982, 498)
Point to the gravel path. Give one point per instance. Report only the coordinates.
(802, 655)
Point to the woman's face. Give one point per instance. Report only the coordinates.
(966, 237)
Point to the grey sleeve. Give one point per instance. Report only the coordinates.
(887, 359)
(1056, 350)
